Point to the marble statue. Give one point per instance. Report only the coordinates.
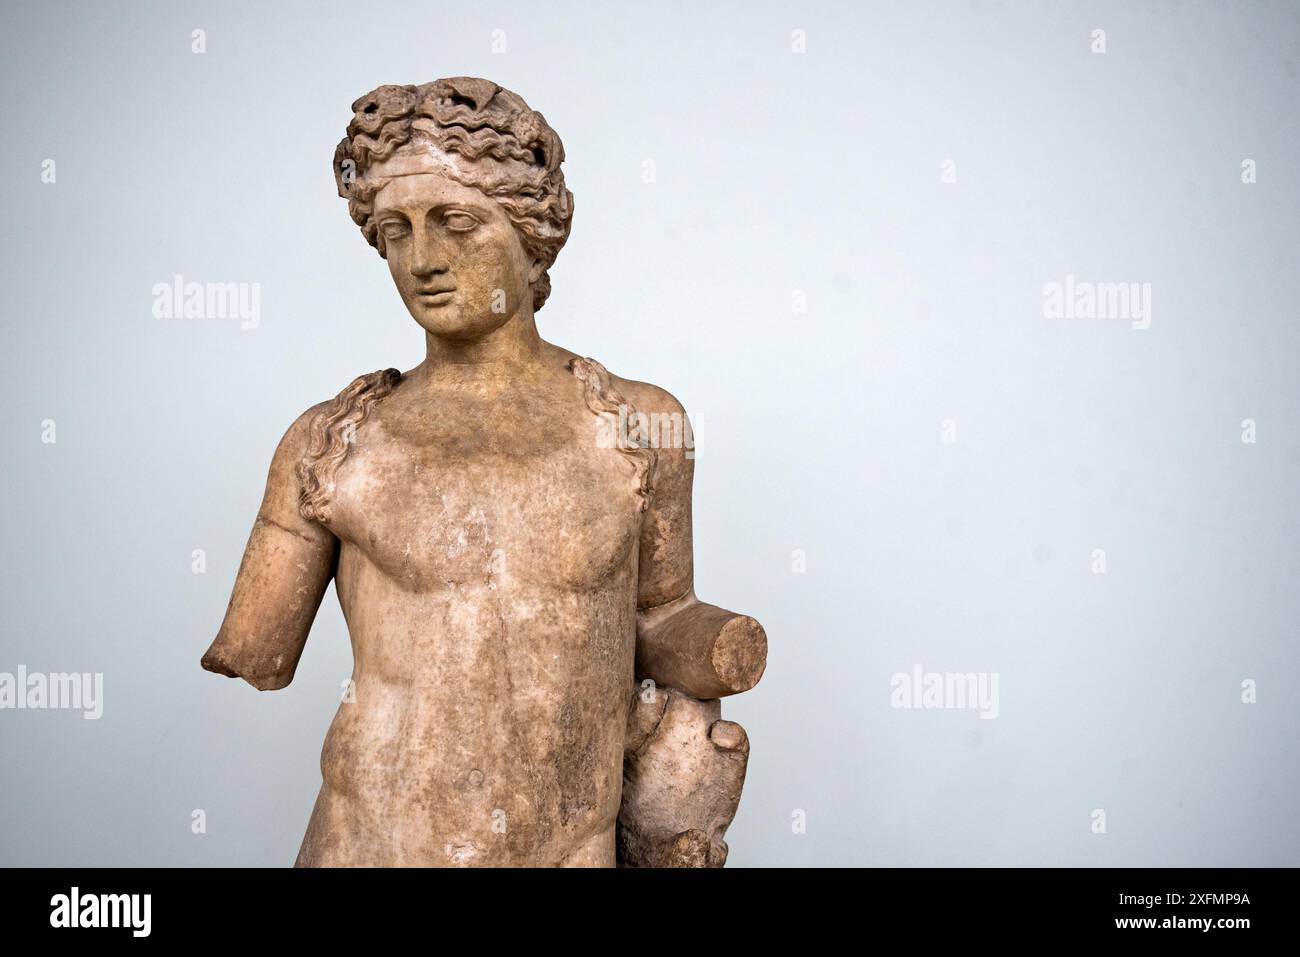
(535, 682)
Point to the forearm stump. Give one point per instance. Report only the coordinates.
(703, 650)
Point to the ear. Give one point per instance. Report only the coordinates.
(535, 270)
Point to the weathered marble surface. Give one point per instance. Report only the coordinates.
(535, 682)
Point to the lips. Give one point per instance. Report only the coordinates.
(436, 297)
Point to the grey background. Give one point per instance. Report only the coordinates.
(819, 430)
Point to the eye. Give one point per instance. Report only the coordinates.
(393, 229)
(459, 221)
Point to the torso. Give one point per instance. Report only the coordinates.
(487, 573)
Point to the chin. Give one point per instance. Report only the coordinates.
(446, 323)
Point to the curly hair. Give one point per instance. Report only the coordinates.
(330, 436)
(514, 157)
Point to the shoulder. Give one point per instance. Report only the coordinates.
(648, 398)
(659, 414)
(319, 440)
(644, 397)
(657, 420)
(296, 436)
(350, 405)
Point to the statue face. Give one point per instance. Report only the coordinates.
(455, 256)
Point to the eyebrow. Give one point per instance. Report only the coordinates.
(480, 205)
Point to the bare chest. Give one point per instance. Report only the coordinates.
(451, 506)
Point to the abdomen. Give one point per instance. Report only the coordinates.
(487, 726)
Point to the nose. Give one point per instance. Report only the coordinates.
(428, 253)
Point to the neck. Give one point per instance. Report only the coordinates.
(504, 353)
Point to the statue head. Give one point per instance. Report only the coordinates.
(458, 184)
